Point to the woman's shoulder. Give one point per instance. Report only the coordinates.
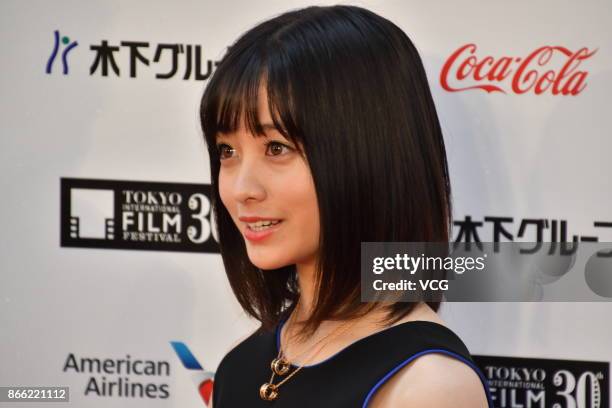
(240, 359)
(246, 344)
(433, 378)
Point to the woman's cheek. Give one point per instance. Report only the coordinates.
(226, 194)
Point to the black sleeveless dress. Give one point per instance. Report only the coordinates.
(347, 379)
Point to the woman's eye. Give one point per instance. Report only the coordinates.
(224, 151)
(272, 148)
(276, 148)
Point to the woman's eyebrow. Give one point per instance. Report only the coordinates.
(265, 127)
(222, 135)
(268, 126)
(271, 127)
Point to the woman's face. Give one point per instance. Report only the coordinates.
(267, 188)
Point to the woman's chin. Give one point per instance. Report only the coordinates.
(267, 262)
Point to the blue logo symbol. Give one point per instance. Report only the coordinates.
(69, 46)
(203, 379)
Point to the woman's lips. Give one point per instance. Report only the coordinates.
(256, 236)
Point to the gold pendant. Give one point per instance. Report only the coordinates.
(268, 392)
(280, 366)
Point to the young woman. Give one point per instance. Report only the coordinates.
(322, 133)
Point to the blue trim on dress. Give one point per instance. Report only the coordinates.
(408, 360)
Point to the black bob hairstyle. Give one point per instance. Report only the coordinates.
(349, 87)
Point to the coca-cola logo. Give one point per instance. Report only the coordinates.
(546, 69)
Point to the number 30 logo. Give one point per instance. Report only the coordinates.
(201, 205)
(565, 377)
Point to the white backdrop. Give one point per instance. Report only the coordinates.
(516, 155)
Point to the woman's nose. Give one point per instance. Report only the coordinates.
(248, 183)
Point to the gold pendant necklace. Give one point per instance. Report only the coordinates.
(280, 366)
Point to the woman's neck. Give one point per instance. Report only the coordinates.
(306, 282)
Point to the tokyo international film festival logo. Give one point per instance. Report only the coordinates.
(92, 214)
(58, 43)
(122, 214)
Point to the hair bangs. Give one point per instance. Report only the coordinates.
(231, 101)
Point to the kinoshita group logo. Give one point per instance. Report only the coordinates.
(59, 43)
(202, 378)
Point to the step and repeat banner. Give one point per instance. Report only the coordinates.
(111, 283)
